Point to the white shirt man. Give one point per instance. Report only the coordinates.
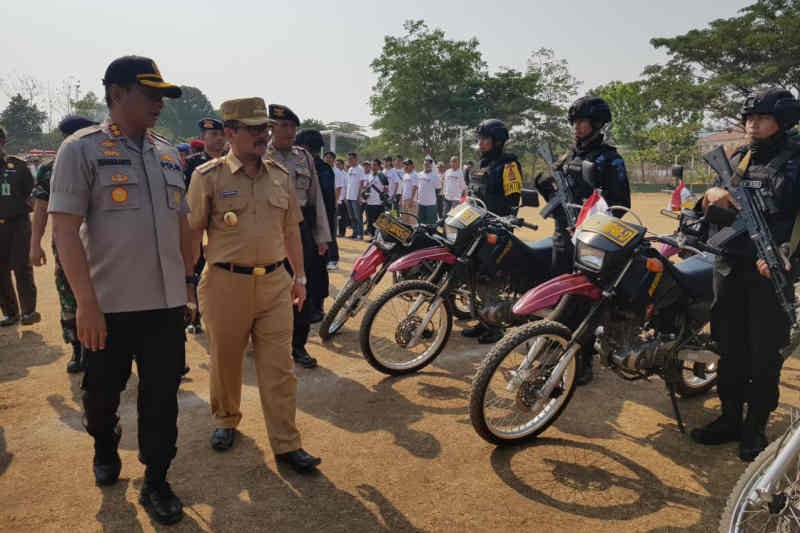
(454, 184)
(427, 183)
(375, 187)
(340, 182)
(355, 178)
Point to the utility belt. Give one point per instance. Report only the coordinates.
(250, 270)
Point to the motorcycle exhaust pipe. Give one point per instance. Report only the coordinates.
(705, 357)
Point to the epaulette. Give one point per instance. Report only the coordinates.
(89, 130)
(208, 165)
(276, 164)
(195, 156)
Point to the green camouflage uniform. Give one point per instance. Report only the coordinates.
(69, 306)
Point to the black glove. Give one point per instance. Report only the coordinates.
(545, 186)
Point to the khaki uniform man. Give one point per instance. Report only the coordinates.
(250, 214)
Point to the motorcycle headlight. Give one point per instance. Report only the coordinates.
(382, 243)
(589, 256)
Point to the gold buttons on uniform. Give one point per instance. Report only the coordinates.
(230, 218)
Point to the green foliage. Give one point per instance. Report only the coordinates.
(731, 57)
(179, 117)
(23, 121)
(90, 106)
(312, 124)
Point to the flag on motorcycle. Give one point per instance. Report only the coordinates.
(679, 197)
(593, 205)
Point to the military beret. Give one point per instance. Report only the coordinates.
(311, 138)
(209, 124)
(197, 145)
(281, 112)
(183, 147)
(72, 123)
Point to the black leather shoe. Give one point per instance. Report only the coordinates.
(222, 439)
(301, 357)
(490, 336)
(31, 318)
(161, 503)
(316, 316)
(585, 374)
(107, 464)
(9, 321)
(473, 332)
(75, 364)
(720, 431)
(300, 460)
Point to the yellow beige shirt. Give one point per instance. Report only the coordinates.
(265, 207)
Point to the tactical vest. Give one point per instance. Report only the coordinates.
(487, 184)
(573, 169)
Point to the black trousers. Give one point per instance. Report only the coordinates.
(751, 328)
(155, 339)
(302, 317)
(373, 212)
(15, 238)
(343, 216)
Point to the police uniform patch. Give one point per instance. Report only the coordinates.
(512, 179)
(119, 195)
(111, 153)
(119, 178)
(108, 143)
(167, 157)
(176, 196)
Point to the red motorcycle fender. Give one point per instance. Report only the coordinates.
(547, 295)
(435, 253)
(369, 262)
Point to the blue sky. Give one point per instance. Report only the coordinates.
(314, 56)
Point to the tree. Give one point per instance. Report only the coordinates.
(312, 124)
(733, 56)
(180, 116)
(90, 106)
(427, 87)
(23, 122)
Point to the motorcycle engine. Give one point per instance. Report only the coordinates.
(625, 344)
(493, 301)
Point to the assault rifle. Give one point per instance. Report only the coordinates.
(757, 228)
(563, 195)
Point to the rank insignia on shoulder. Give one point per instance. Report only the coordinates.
(230, 194)
(167, 157)
(208, 165)
(108, 143)
(119, 195)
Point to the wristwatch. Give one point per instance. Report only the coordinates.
(302, 280)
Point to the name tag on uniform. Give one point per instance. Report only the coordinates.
(104, 162)
(752, 184)
(230, 194)
(5, 189)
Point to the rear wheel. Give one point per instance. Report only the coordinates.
(698, 378)
(388, 334)
(505, 405)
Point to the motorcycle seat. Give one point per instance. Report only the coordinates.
(697, 275)
(541, 249)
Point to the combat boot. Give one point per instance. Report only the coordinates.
(157, 497)
(107, 464)
(76, 363)
(726, 428)
(754, 438)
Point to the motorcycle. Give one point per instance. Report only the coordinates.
(407, 327)
(767, 494)
(393, 239)
(649, 316)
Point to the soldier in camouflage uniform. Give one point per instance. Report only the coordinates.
(41, 196)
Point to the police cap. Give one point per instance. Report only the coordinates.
(209, 123)
(138, 70)
(281, 112)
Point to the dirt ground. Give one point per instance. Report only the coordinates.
(398, 454)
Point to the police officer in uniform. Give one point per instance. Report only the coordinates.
(312, 142)
(498, 182)
(247, 207)
(41, 196)
(213, 138)
(747, 320)
(119, 221)
(314, 229)
(16, 183)
(588, 117)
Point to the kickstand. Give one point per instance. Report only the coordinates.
(675, 408)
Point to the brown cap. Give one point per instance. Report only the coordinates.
(248, 111)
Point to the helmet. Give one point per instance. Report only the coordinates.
(491, 127)
(311, 138)
(592, 107)
(779, 103)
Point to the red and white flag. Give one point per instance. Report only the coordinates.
(593, 205)
(679, 195)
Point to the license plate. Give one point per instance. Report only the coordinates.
(393, 227)
(611, 228)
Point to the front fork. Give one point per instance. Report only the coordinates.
(438, 301)
(764, 490)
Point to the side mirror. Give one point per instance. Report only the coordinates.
(588, 171)
(677, 171)
(530, 198)
(719, 216)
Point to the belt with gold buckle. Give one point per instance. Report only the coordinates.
(250, 270)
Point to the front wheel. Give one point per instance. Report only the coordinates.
(390, 338)
(345, 306)
(505, 404)
(746, 511)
